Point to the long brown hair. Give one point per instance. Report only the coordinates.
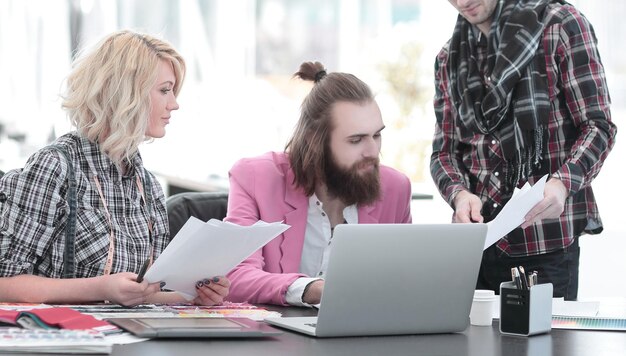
(308, 147)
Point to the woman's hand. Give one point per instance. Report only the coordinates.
(212, 291)
(123, 289)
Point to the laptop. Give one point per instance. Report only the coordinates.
(393, 279)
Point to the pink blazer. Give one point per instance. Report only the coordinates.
(261, 188)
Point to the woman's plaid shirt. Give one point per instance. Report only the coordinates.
(34, 210)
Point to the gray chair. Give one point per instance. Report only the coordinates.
(202, 205)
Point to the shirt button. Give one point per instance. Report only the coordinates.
(497, 174)
(495, 205)
(317, 202)
(323, 214)
(321, 273)
(493, 142)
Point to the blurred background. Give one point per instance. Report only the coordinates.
(239, 97)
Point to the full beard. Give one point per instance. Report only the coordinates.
(351, 186)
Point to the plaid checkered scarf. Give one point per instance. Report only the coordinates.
(516, 103)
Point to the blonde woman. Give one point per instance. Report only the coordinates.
(83, 216)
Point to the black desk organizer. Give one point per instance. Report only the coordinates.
(525, 311)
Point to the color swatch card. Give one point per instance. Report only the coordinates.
(588, 323)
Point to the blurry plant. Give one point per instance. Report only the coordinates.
(405, 78)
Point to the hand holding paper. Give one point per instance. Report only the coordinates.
(513, 213)
(551, 207)
(206, 249)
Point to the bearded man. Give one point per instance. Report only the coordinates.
(329, 174)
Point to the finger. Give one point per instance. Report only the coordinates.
(222, 281)
(133, 302)
(219, 289)
(152, 288)
(214, 292)
(538, 215)
(476, 216)
(461, 216)
(551, 212)
(209, 296)
(537, 209)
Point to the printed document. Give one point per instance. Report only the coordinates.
(205, 249)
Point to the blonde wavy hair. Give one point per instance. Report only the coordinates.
(107, 95)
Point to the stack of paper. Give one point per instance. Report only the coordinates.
(205, 249)
(574, 308)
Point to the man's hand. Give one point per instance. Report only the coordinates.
(552, 204)
(467, 208)
(313, 292)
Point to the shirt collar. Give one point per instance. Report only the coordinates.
(100, 161)
(350, 212)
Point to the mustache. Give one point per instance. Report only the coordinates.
(366, 162)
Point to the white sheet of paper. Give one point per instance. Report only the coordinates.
(574, 308)
(512, 214)
(205, 249)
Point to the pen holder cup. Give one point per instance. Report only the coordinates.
(525, 312)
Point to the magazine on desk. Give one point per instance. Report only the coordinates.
(53, 330)
(58, 341)
(52, 318)
(53, 340)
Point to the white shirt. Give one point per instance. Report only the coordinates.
(316, 247)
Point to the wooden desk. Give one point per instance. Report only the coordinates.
(475, 340)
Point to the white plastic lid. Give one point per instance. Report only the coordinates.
(484, 294)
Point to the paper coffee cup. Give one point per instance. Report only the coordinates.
(483, 305)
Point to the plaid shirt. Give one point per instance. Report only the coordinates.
(581, 136)
(34, 210)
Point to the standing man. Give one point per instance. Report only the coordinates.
(329, 174)
(521, 93)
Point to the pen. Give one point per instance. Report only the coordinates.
(143, 270)
(523, 277)
(516, 278)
